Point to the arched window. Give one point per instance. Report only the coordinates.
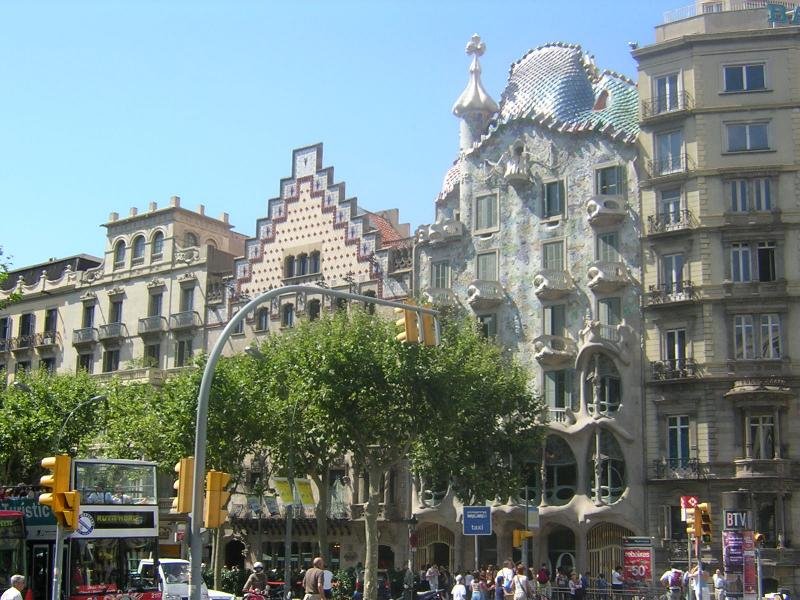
(138, 249)
(262, 319)
(119, 255)
(287, 315)
(189, 239)
(313, 310)
(606, 468)
(288, 266)
(157, 246)
(603, 386)
(302, 264)
(314, 262)
(562, 471)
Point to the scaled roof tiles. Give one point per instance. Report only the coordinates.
(559, 86)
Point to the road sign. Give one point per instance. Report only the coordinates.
(689, 501)
(477, 520)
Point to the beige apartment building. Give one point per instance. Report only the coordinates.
(137, 313)
(720, 126)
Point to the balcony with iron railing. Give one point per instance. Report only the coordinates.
(665, 106)
(677, 468)
(153, 325)
(441, 296)
(83, 336)
(671, 164)
(22, 343)
(670, 293)
(675, 221)
(673, 369)
(553, 284)
(111, 332)
(188, 319)
(47, 339)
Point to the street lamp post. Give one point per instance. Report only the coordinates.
(80, 405)
(201, 440)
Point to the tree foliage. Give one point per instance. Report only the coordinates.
(4, 267)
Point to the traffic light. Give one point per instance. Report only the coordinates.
(216, 501)
(58, 482)
(430, 330)
(518, 536)
(758, 539)
(408, 325)
(71, 508)
(704, 508)
(691, 525)
(184, 485)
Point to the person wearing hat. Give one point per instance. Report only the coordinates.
(459, 591)
(257, 582)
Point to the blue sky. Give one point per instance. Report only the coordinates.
(108, 105)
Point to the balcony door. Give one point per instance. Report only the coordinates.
(666, 91)
(678, 442)
(669, 150)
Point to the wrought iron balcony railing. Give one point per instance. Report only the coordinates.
(670, 165)
(23, 342)
(47, 339)
(674, 368)
(671, 221)
(677, 468)
(663, 104)
(677, 291)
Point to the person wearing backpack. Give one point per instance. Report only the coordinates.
(671, 580)
(543, 580)
(519, 584)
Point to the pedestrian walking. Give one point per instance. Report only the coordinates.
(15, 591)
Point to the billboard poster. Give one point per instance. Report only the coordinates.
(749, 579)
(733, 559)
(637, 560)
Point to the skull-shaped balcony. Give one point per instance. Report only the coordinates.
(552, 284)
(482, 294)
(607, 277)
(604, 210)
(555, 350)
(440, 232)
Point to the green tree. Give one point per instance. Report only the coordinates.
(383, 402)
(4, 266)
(42, 414)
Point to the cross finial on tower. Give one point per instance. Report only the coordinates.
(475, 45)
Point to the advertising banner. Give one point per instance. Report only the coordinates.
(637, 560)
(733, 559)
(750, 587)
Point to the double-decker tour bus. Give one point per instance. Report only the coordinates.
(12, 544)
(117, 528)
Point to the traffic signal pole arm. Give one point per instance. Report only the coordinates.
(196, 519)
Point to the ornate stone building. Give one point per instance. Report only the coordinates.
(719, 130)
(536, 232)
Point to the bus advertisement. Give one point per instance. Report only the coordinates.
(117, 528)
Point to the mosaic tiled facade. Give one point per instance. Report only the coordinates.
(536, 233)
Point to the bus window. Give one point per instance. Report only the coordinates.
(115, 482)
(102, 565)
(12, 544)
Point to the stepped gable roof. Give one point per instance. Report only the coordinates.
(559, 86)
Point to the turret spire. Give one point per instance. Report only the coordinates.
(474, 106)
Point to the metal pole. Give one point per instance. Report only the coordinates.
(477, 566)
(58, 558)
(758, 573)
(699, 585)
(287, 551)
(525, 539)
(200, 439)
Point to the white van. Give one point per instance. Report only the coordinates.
(173, 579)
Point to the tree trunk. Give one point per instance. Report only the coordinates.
(371, 531)
(321, 512)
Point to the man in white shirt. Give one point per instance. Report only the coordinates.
(327, 583)
(15, 591)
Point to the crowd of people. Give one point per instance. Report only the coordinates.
(684, 584)
(516, 582)
(20, 490)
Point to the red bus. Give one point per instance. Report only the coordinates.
(12, 545)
